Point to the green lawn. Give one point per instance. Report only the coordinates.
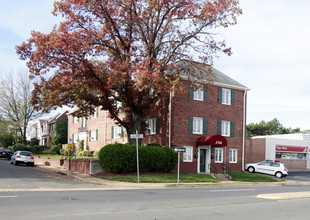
(162, 178)
(250, 177)
(51, 156)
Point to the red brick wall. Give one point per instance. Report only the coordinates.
(255, 150)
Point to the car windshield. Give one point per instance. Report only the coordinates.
(25, 153)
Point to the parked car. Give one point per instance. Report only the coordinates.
(24, 157)
(268, 167)
(6, 153)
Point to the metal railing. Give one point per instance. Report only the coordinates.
(226, 169)
(213, 169)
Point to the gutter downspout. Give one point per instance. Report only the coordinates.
(170, 101)
(244, 127)
(105, 128)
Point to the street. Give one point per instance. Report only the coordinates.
(48, 196)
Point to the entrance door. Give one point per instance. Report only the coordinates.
(202, 160)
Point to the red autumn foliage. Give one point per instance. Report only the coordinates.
(109, 51)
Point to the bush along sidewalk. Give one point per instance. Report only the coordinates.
(121, 158)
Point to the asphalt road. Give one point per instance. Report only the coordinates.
(61, 198)
(26, 177)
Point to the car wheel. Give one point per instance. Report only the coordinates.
(15, 163)
(278, 174)
(31, 164)
(251, 170)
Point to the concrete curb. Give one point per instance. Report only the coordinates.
(89, 179)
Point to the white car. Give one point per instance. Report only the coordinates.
(268, 167)
(25, 157)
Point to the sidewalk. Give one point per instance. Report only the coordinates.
(86, 178)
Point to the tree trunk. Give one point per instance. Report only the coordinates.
(137, 125)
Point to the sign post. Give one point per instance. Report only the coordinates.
(179, 150)
(137, 136)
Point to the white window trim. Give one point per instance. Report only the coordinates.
(75, 138)
(198, 94)
(117, 132)
(188, 154)
(75, 120)
(93, 134)
(216, 159)
(226, 96)
(224, 125)
(151, 126)
(231, 158)
(94, 115)
(196, 129)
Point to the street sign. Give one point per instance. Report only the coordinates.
(179, 149)
(70, 146)
(136, 136)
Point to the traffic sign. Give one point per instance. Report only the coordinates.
(136, 136)
(179, 149)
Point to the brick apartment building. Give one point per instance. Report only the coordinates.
(209, 123)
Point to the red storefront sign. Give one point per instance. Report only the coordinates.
(291, 149)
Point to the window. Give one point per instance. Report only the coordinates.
(117, 132)
(151, 126)
(197, 125)
(52, 127)
(233, 156)
(84, 123)
(75, 138)
(93, 135)
(226, 96)
(225, 128)
(218, 155)
(75, 120)
(95, 114)
(188, 154)
(198, 95)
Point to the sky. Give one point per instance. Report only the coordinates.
(271, 53)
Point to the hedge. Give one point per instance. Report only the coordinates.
(34, 149)
(121, 158)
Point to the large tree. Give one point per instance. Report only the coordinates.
(269, 128)
(15, 102)
(110, 51)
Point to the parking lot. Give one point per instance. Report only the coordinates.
(299, 175)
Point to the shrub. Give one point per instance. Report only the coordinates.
(119, 158)
(34, 142)
(37, 149)
(56, 149)
(96, 153)
(18, 146)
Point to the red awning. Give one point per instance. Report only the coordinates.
(214, 140)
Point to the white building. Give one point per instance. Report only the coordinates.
(290, 149)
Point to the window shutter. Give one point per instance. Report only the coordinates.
(233, 95)
(205, 95)
(157, 125)
(232, 129)
(220, 95)
(191, 92)
(219, 127)
(72, 138)
(190, 124)
(89, 135)
(112, 132)
(72, 119)
(82, 122)
(96, 134)
(96, 112)
(122, 133)
(205, 126)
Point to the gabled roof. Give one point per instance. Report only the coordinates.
(198, 71)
